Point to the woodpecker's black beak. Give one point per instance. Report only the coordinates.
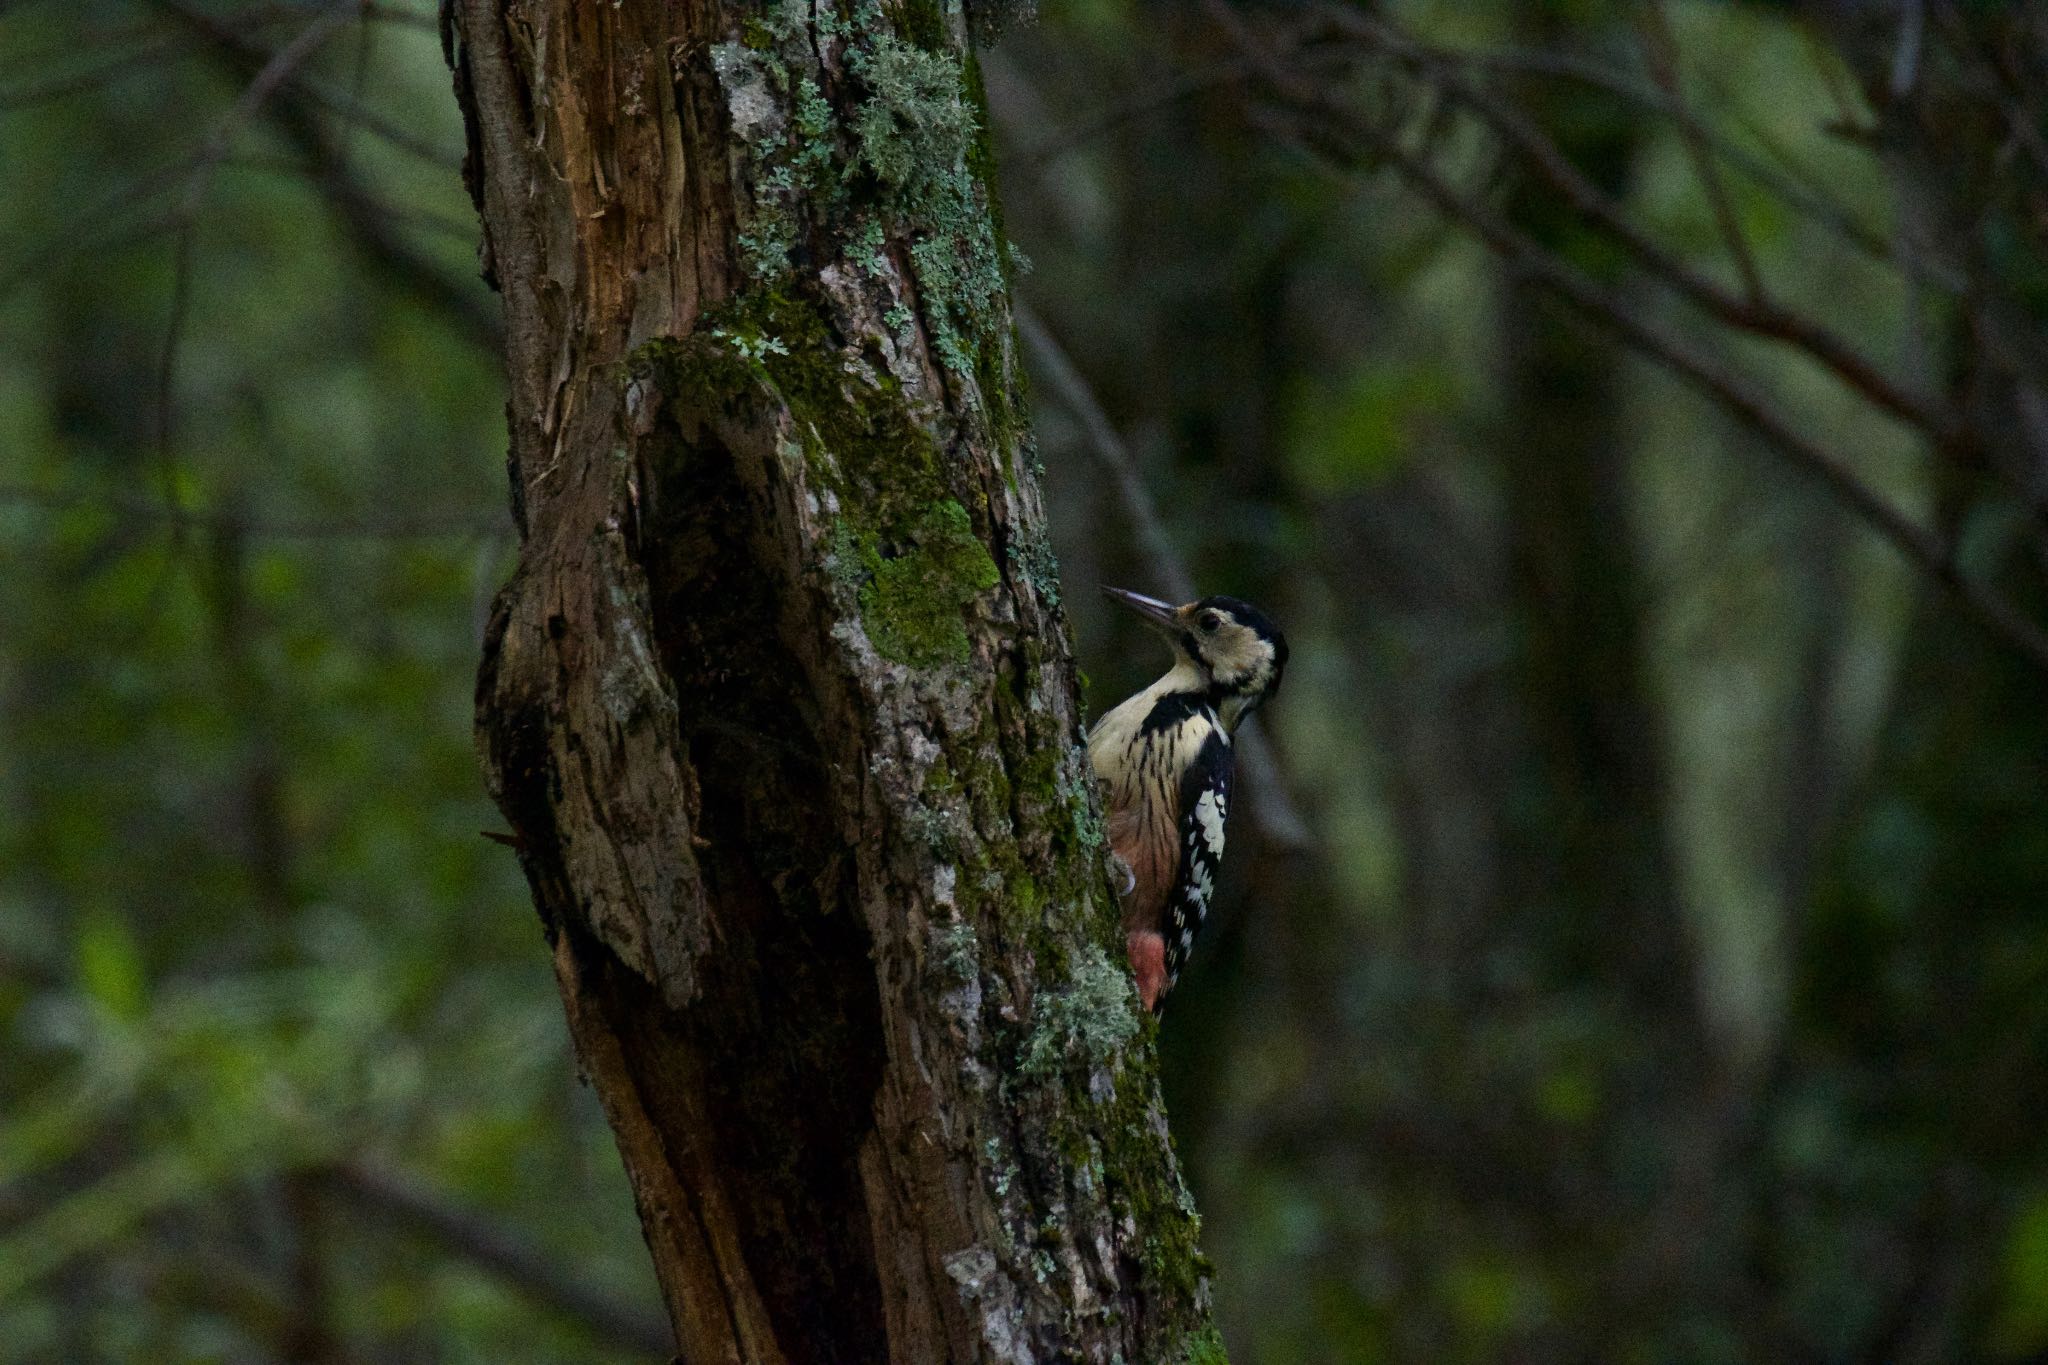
(1159, 615)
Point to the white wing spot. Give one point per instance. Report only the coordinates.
(1209, 815)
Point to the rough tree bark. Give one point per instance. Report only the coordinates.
(780, 701)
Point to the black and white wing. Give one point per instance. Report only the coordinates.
(1204, 805)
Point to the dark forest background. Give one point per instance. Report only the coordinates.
(1635, 943)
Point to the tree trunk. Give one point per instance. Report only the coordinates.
(780, 701)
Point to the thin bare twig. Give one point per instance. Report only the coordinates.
(282, 66)
(422, 527)
(99, 224)
(1332, 132)
(421, 1211)
(1058, 144)
(101, 38)
(135, 61)
(1044, 153)
(1761, 318)
(167, 374)
(1777, 172)
(297, 114)
(260, 88)
(1660, 49)
(447, 225)
(1272, 809)
(2009, 89)
(1834, 78)
(1903, 398)
(336, 103)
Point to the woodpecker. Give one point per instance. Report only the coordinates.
(1165, 759)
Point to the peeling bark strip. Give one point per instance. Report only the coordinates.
(780, 700)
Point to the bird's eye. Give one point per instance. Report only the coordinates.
(1208, 621)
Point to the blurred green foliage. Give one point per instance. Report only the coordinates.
(248, 927)
(1436, 1105)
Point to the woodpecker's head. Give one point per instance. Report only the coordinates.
(1232, 650)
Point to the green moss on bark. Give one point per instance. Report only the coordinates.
(904, 546)
(912, 601)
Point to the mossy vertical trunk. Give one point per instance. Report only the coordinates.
(780, 702)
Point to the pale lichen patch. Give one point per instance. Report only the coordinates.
(1090, 1023)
